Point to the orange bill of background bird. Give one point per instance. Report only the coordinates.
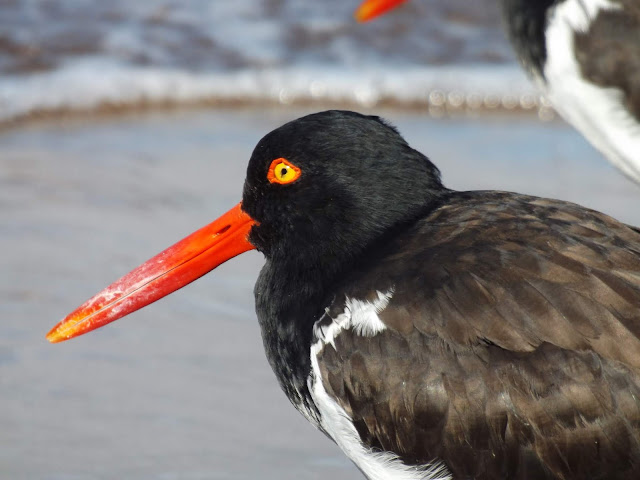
(370, 9)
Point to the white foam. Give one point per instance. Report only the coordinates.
(84, 85)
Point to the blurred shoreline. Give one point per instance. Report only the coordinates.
(438, 104)
(61, 57)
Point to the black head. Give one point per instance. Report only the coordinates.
(358, 178)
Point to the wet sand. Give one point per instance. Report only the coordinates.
(181, 389)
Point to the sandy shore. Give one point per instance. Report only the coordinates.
(181, 390)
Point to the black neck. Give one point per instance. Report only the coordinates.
(287, 302)
(291, 297)
(526, 21)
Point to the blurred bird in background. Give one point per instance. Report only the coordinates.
(585, 57)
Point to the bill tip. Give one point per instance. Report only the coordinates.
(56, 336)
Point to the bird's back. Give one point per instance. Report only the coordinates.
(509, 343)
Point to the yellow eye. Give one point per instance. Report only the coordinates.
(282, 171)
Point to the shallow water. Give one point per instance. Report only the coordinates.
(181, 389)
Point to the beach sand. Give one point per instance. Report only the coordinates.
(181, 389)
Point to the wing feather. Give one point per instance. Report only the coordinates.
(512, 345)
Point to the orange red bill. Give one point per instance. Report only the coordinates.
(370, 9)
(175, 267)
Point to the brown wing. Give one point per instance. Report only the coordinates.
(609, 52)
(512, 348)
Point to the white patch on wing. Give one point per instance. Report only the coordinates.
(598, 113)
(364, 315)
(361, 317)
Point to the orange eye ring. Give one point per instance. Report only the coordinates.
(282, 171)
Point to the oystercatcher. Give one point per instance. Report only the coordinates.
(430, 333)
(585, 57)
